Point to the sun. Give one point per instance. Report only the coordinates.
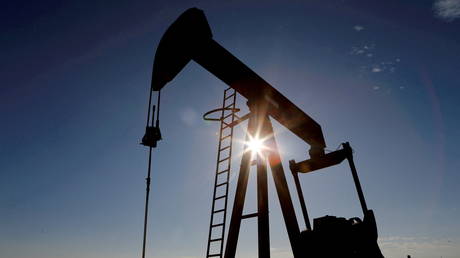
(255, 145)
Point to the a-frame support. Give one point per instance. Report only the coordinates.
(259, 126)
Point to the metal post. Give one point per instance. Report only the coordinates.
(149, 169)
(282, 189)
(262, 208)
(349, 154)
(240, 194)
(262, 193)
(302, 200)
(147, 193)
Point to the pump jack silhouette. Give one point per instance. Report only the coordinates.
(190, 38)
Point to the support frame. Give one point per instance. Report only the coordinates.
(259, 125)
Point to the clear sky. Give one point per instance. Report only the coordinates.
(73, 97)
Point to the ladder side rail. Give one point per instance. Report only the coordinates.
(228, 172)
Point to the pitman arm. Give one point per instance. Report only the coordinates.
(190, 38)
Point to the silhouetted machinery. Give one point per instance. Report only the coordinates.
(190, 38)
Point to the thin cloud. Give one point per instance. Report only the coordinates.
(189, 116)
(366, 49)
(447, 10)
(358, 28)
(376, 70)
(422, 247)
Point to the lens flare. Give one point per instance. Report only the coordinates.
(255, 146)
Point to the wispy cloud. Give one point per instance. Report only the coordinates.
(366, 49)
(447, 10)
(376, 69)
(389, 66)
(422, 247)
(358, 28)
(189, 116)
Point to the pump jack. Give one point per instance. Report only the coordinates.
(190, 38)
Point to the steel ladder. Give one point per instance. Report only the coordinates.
(222, 175)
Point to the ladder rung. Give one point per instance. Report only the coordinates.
(251, 215)
(231, 105)
(220, 197)
(223, 171)
(231, 95)
(226, 125)
(217, 211)
(227, 89)
(217, 225)
(227, 116)
(225, 148)
(224, 183)
(222, 160)
(214, 255)
(225, 137)
(214, 240)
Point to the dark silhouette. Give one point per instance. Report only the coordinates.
(190, 38)
(339, 237)
(332, 236)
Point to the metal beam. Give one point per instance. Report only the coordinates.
(282, 190)
(263, 227)
(240, 195)
(190, 38)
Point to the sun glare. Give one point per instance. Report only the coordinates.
(255, 145)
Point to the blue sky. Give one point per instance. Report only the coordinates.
(73, 98)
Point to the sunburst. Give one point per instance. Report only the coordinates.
(255, 145)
